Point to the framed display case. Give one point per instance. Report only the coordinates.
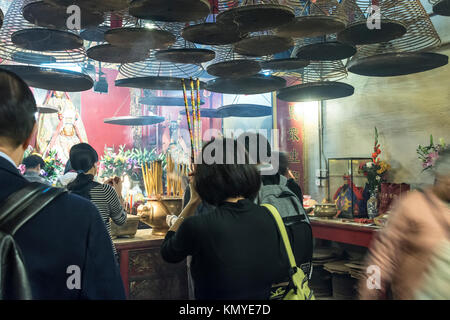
(346, 186)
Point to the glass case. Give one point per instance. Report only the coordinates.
(346, 186)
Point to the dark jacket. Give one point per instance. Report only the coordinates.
(68, 232)
(236, 252)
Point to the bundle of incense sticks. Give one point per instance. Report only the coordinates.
(194, 127)
(175, 172)
(152, 174)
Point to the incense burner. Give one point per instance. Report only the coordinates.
(155, 211)
(129, 229)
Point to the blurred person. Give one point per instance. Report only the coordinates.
(33, 165)
(67, 232)
(235, 248)
(106, 197)
(68, 176)
(404, 251)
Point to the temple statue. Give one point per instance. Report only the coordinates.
(60, 131)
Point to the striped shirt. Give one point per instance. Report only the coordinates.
(108, 204)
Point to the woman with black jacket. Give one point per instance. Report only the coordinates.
(106, 197)
(236, 248)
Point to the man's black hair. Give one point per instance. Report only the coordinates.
(283, 163)
(31, 162)
(217, 182)
(260, 139)
(17, 109)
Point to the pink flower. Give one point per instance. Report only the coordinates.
(22, 168)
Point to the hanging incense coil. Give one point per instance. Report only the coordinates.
(14, 22)
(248, 85)
(170, 11)
(205, 113)
(257, 15)
(441, 7)
(153, 83)
(112, 54)
(155, 74)
(312, 26)
(186, 55)
(134, 121)
(140, 38)
(263, 45)
(419, 37)
(244, 111)
(314, 19)
(32, 58)
(357, 33)
(46, 109)
(315, 91)
(39, 39)
(284, 64)
(164, 101)
(93, 6)
(51, 79)
(319, 81)
(323, 48)
(47, 15)
(95, 34)
(397, 64)
(213, 34)
(234, 68)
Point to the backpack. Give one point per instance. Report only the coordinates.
(295, 219)
(15, 211)
(436, 282)
(297, 287)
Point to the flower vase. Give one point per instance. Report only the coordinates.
(372, 205)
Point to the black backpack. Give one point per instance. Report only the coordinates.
(15, 211)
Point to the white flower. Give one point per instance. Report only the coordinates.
(378, 178)
(369, 164)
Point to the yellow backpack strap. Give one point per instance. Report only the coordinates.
(283, 232)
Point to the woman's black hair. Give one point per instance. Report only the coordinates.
(221, 180)
(82, 158)
(31, 162)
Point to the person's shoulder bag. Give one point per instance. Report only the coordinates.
(297, 288)
(15, 211)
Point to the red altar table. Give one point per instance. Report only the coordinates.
(339, 230)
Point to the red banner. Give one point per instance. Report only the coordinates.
(289, 122)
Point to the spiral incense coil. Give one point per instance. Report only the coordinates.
(256, 15)
(420, 33)
(101, 6)
(318, 81)
(441, 7)
(323, 48)
(407, 51)
(15, 23)
(314, 18)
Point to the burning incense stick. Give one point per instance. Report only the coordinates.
(186, 105)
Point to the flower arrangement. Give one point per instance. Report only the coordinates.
(429, 154)
(127, 162)
(53, 167)
(376, 170)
